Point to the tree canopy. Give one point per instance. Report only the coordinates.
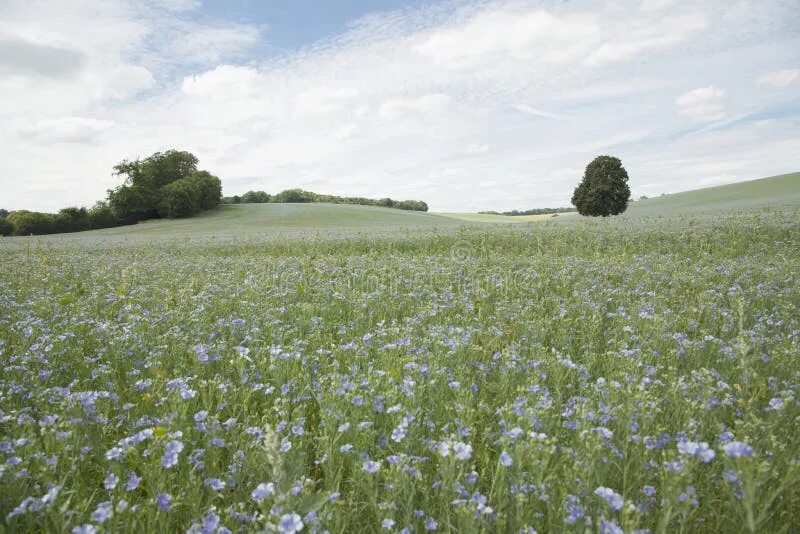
(165, 184)
(604, 189)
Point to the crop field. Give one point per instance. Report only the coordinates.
(633, 374)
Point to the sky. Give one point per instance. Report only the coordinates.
(467, 105)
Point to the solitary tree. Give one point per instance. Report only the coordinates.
(604, 190)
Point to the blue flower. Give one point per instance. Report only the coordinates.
(371, 466)
(110, 481)
(701, 450)
(262, 491)
(290, 524)
(610, 527)
(215, 484)
(505, 459)
(103, 512)
(431, 524)
(210, 522)
(387, 524)
(737, 449)
(171, 452)
(133, 482)
(164, 501)
(776, 403)
(462, 451)
(573, 509)
(612, 498)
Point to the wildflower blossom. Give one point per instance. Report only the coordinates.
(371, 467)
(171, 452)
(612, 498)
(262, 491)
(290, 524)
(737, 449)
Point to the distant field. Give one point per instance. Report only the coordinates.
(276, 220)
(504, 219)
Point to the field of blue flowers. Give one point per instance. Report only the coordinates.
(608, 376)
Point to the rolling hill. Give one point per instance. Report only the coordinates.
(244, 220)
(286, 220)
(775, 191)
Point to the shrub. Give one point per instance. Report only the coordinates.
(6, 228)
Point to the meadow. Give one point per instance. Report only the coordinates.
(414, 374)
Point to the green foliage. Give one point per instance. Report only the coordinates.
(188, 196)
(165, 184)
(3, 213)
(32, 222)
(6, 227)
(604, 190)
(157, 170)
(255, 197)
(101, 216)
(299, 196)
(72, 220)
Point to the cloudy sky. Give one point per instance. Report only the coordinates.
(466, 105)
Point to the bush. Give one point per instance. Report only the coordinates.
(32, 222)
(255, 197)
(6, 228)
(101, 216)
(604, 190)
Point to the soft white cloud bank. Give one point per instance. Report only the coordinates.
(489, 105)
(781, 78)
(702, 105)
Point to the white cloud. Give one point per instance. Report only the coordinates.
(324, 100)
(780, 78)
(66, 129)
(702, 105)
(399, 107)
(517, 34)
(535, 111)
(404, 104)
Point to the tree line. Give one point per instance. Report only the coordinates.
(163, 185)
(301, 196)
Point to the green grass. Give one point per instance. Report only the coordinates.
(276, 220)
(776, 191)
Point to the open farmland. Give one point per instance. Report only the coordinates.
(633, 373)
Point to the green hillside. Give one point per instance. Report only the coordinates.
(273, 219)
(775, 191)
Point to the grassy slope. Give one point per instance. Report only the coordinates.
(274, 219)
(776, 191)
(783, 190)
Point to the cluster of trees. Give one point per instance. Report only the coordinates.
(297, 196)
(24, 222)
(165, 184)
